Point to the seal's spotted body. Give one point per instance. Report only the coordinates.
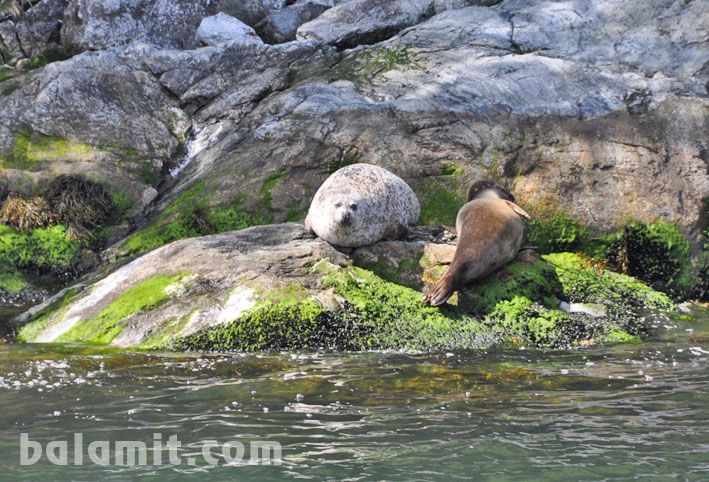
(361, 204)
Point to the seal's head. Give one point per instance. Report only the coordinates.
(483, 189)
(340, 216)
(345, 210)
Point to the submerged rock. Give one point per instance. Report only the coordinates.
(277, 288)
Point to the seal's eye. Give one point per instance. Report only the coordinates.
(353, 206)
(338, 205)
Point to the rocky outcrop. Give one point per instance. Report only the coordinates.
(98, 114)
(275, 287)
(35, 33)
(594, 110)
(91, 25)
(359, 22)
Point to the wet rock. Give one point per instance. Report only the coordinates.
(360, 22)
(221, 29)
(276, 287)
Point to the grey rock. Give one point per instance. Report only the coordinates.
(365, 21)
(443, 5)
(222, 28)
(38, 30)
(122, 122)
(225, 270)
(281, 25)
(99, 25)
(251, 12)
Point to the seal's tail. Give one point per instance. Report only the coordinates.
(440, 292)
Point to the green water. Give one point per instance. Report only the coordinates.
(633, 412)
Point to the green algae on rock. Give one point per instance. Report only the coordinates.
(102, 328)
(189, 216)
(275, 287)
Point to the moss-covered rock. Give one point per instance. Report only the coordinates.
(107, 324)
(47, 249)
(657, 253)
(275, 288)
(190, 216)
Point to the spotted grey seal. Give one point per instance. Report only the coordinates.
(490, 231)
(361, 204)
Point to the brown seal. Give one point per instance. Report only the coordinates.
(490, 232)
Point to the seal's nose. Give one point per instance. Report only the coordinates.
(346, 218)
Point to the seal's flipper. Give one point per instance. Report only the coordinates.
(308, 226)
(518, 210)
(397, 232)
(440, 292)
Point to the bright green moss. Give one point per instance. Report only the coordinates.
(32, 148)
(534, 323)
(619, 336)
(46, 249)
(553, 231)
(588, 282)
(107, 324)
(451, 169)
(385, 315)
(53, 312)
(376, 315)
(537, 281)
(13, 282)
(440, 201)
(188, 217)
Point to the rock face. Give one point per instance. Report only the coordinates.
(34, 33)
(221, 29)
(592, 109)
(281, 25)
(166, 23)
(274, 287)
(130, 130)
(365, 21)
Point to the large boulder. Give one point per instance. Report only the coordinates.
(281, 25)
(96, 25)
(277, 288)
(35, 32)
(98, 114)
(365, 21)
(222, 29)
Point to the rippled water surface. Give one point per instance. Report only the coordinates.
(620, 413)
